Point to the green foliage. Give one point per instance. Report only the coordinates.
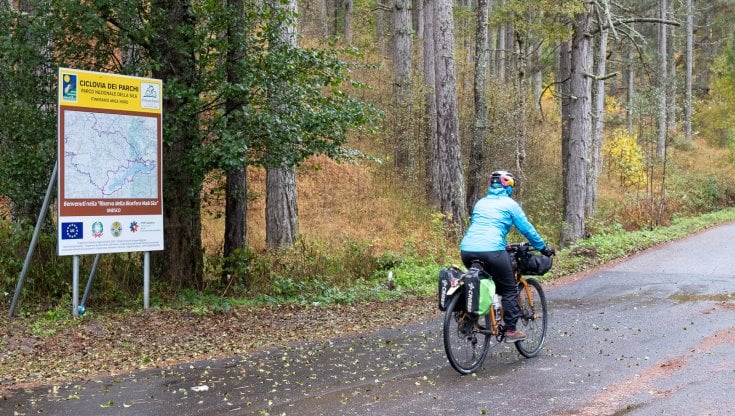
(50, 322)
(272, 104)
(417, 276)
(202, 303)
(341, 263)
(28, 124)
(48, 278)
(316, 272)
(714, 115)
(538, 19)
(314, 110)
(700, 190)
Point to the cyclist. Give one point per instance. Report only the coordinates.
(492, 218)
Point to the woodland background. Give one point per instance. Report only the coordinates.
(311, 147)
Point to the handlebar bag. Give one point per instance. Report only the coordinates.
(534, 265)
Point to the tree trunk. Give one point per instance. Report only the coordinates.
(382, 26)
(432, 188)
(280, 203)
(538, 75)
(662, 83)
(671, 78)
(511, 55)
(402, 94)
(281, 222)
(565, 83)
(575, 157)
(708, 50)
(465, 21)
(598, 111)
(491, 65)
(236, 206)
(446, 159)
(477, 181)
(313, 21)
(181, 263)
(417, 17)
(500, 52)
(688, 76)
(331, 22)
(347, 8)
(522, 106)
(236, 213)
(630, 91)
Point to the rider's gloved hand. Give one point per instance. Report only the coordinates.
(547, 251)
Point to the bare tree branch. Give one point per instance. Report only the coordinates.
(611, 25)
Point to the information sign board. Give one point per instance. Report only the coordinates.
(109, 147)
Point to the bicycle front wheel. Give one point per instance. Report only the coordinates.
(533, 320)
(466, 348)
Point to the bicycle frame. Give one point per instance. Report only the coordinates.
(529, 296)
(495, 319)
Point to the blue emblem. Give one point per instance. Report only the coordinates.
(69, 87)
(72, 230)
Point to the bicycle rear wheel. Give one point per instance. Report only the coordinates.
(533, 320)
(466, 348)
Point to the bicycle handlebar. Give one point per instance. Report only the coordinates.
(519, 246)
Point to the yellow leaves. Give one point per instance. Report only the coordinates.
(613, 105)
(624, 159)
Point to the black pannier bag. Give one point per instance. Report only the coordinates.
(472, 290)
(446, 275)
(533, 264)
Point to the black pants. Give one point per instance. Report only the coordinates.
(497, 264)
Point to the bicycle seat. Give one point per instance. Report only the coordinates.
(477, 265)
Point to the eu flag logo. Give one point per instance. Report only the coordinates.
(72, 230)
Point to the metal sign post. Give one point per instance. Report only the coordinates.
(34, 241)
(75, 286)
(146, 279)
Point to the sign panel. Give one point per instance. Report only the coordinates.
(109, 147)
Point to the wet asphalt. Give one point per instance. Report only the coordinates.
(652, 335)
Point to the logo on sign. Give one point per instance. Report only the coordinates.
(69, 87)
(116, 229)
(151, 97)
(134, 227)
(97, 229)
(72, 230)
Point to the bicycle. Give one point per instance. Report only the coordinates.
(467, 335)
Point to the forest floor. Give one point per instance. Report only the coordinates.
(35, 352)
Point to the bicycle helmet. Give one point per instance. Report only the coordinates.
(502, 179)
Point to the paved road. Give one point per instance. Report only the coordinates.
(649, 336)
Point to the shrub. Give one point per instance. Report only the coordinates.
(624, 159)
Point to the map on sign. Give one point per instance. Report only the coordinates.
(110, 155)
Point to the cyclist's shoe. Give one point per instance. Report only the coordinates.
(514, 336)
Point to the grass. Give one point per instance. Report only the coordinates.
(418, 276)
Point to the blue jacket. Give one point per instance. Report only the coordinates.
(492, 218)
